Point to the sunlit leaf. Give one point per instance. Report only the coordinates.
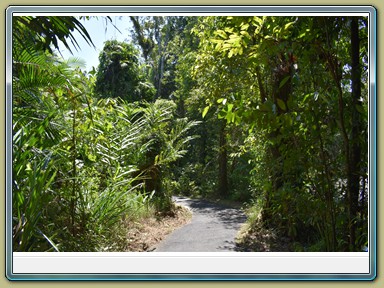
(288, 25)
(221, 33)
(205, 111)
(245, 26)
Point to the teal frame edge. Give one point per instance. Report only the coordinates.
(198, 9)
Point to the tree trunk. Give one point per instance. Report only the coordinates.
(279, 93)
(334, 67)
(330, 207)
(146, 44)
(355, 151)
(223, 174)
(74, 171)
(203, 145)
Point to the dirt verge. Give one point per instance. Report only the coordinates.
(260, 239)
(145, 234)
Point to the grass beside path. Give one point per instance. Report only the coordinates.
(144, 234)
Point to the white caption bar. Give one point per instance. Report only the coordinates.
(212, 263)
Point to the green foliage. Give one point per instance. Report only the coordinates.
(163, 41)
(260, 105)
(164, 142)
(118, 74)
(298, 139)
(41, 33)
(37, 134)
(76, 168)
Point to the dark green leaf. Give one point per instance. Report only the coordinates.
(282, 83)
(281, 104)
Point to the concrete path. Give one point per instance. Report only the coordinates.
(213, 228)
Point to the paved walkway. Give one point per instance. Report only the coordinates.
(213, 228)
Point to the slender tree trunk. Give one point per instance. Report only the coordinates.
(162, 41)
(355, 156)
(263, 94)
(161, 73)
(223, 173)
(74, 170)
(203, 146)
(146, 44)
(352, 146)
(336, 72)
(330, 210)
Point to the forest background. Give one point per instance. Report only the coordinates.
(214, 107)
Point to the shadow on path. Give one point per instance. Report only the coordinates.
(231, 217)
(213, 228)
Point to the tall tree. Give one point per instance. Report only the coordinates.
(155, 35)
(223, 189)
(296, 108)
(355, 162)
(119, 74)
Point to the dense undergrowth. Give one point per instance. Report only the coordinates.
(267, 111)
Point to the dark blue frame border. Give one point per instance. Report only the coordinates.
(201, 10)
